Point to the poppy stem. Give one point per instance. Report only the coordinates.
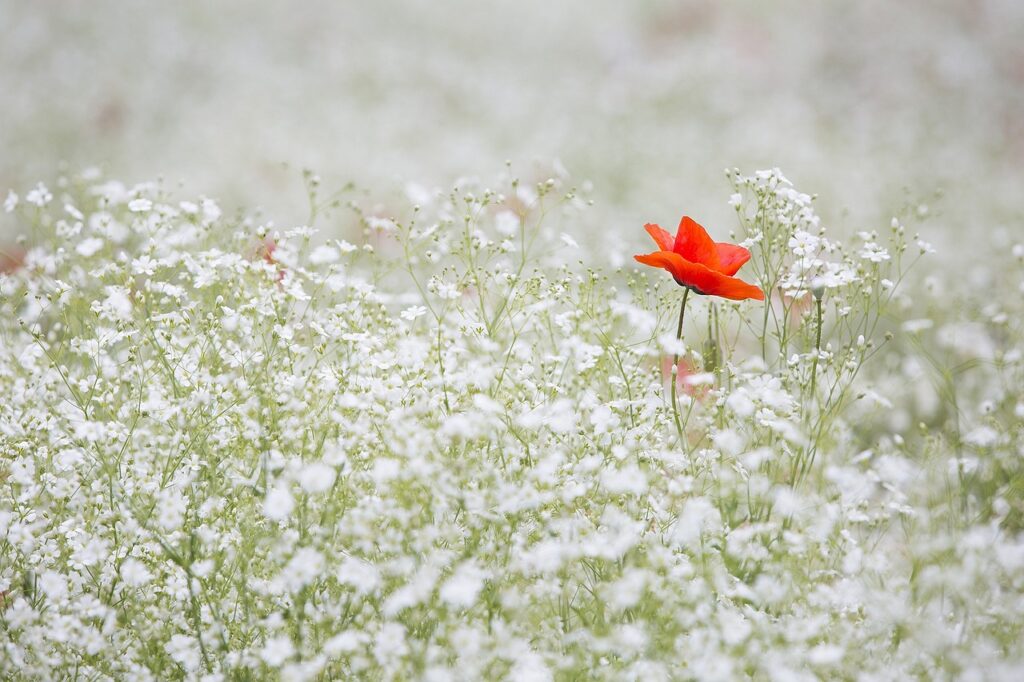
(675, 367)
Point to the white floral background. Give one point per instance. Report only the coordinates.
(870, 104)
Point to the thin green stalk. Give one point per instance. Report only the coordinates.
(808, 459)
(675, 368)
(817, 348)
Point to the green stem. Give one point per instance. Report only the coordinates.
(817, 349)
(808, 459)
(675, 368)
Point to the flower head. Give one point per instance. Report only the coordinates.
(698, 262)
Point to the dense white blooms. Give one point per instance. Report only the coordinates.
(443, 449)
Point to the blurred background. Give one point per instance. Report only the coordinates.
(873, 105)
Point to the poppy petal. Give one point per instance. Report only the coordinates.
(695, 245)
(732, 257)
(661, 236)
(666, 260)
(700, 277)
(735, 289)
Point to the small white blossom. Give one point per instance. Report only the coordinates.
(463, 587)
(323, 255)
(413, 312)
(89, 247)
(135, 573)
(316, 477)
(277, 650)
(874, 253)
(382, 224)
(38, 196)
(279, 503)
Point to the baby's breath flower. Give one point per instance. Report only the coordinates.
(227, 452)
(38, 196)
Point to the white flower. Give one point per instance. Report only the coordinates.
(729, 441)
(346, 642)
(316, 477)
(463, 587)
(917, 326)
(323, 254)
(203, 568)
(390, 644)
(698, 516)
(825, 654)
(413, 312)
(211, 211)
(670, 344)
(982, 437)
(382, 224)
(118, 304)
(144, 265)
(11, 201)
(38, 196)
(135, 573)
(171, 509)
(447, 290)
(89, 246)
(629, 480)
(603, 419)
(740, 403)
(302, 569)
(363, 577)
(530, 667)
(279, 503)
(803, 243)
(874, 253)
(53, 585)
(277, 650)
(140, 205)
(185, 651)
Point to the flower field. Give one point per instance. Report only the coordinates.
(476, 425)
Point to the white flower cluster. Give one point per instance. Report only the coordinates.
(440, 450)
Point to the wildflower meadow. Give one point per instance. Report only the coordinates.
(511, 425)
(449, 451)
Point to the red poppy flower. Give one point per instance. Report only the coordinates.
(698, 262)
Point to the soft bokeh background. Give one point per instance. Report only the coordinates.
(870, 104)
